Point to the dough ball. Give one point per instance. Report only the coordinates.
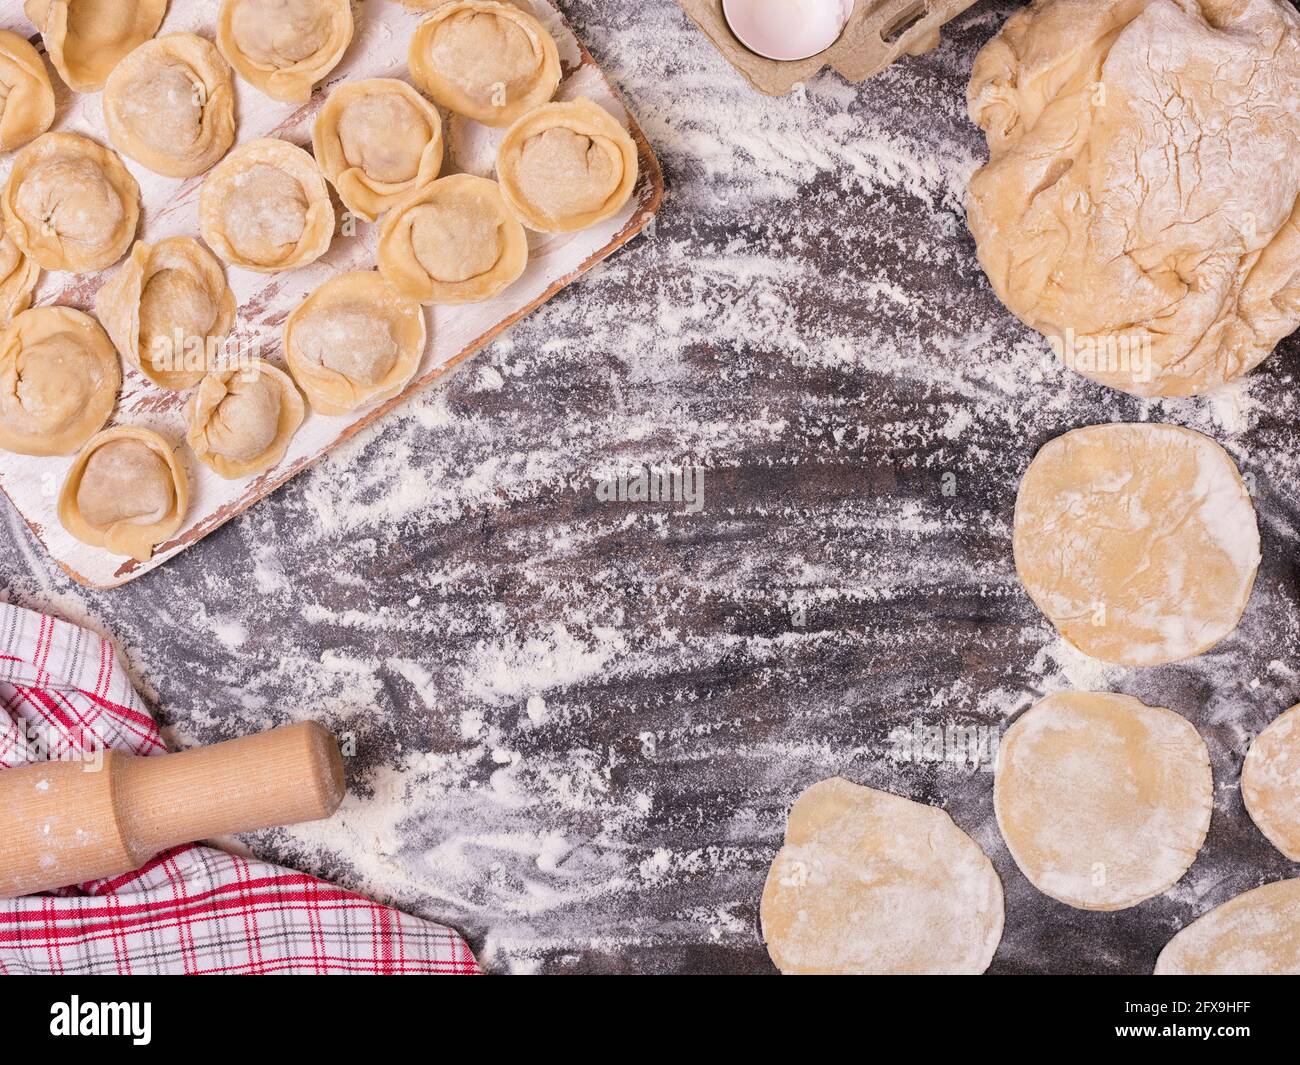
(1141, 204)
(1138, 542)
(456, 240)
(870, 883)
(1103, 801)
(1270, 783)
(384, 136)
(247, 420)
(125, 481)
(1257, 933)
(72, 197)
(265, 213)
(349, 338)
(279, 33)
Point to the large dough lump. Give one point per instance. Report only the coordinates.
(1141, 205)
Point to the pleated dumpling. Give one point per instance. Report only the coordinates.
(18, 277)
(377, 140)
(567, 166)
(488, 61)
(283, 47)
(241, 421)
(127, 493)
(168, 309)
(170, 105)
(354, 341)
(27, 104)
(452, 242)
(86, 39)
(59, 380)
(266, 208)
(71, 204)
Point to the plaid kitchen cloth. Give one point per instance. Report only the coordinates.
(193, 909)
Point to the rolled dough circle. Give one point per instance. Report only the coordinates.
(1257, 933)
(1102, 800)
(871, 883)
(1270, 783)
(1139, 542)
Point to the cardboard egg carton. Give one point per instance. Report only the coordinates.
(877, 33)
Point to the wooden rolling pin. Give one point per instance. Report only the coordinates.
(69, 822)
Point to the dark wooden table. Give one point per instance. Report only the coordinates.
(577, 724)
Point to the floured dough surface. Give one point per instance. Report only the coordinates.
(1144, 183)
(1270, 783)
(871, 883)
(488, 61)
(567, 166)
(1102, 800)
(1139, 542)
(1257, 933)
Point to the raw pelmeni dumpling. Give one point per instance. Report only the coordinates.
(59, 379)
(283, 47)
(27, 97)
(241, 421)
(70, 204)
(452, 242)
(377, 140)
(169, 310)
(567, 166)
(267, 208)
(126, 492)
(354, 341)
(170, 106)
(86, 39)
(18, 277)
(490, 62)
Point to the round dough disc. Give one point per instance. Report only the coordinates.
(1102, 800)
(1138, 542)
(1270, 783)
(870, 883)
(1257, 933)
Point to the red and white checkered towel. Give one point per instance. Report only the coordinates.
(192, 909)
